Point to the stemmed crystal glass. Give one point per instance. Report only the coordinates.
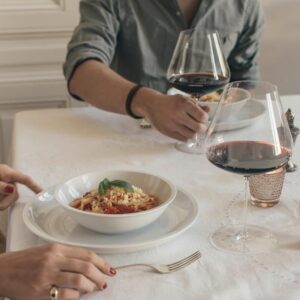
(197, 67)
(260, 146)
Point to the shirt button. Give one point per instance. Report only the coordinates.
(178, 13)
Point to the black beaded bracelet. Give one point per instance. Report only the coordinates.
(129, 99)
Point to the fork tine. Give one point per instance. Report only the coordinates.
(185, 260)
(183, 265)
(195, 254)
(177, 268)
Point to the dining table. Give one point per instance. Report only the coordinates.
(54, 145)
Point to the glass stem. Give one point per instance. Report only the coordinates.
(197, 137)
(245, 210)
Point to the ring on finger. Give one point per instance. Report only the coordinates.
(53, 292)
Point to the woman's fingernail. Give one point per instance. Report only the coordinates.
(113, 271)
(9, 189)
(104, 286)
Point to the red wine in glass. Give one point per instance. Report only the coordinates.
(198, 84)
(248, 157)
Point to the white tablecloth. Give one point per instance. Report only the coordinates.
(53, 145)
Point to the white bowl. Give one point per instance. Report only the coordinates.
(236, 99)
(116, 223)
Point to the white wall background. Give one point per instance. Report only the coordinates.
(33, 37)
(280, 52)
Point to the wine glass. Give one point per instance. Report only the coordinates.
(261, 145)
(197, 67)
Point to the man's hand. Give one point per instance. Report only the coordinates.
(175, 116)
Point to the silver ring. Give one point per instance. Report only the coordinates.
(54, 293)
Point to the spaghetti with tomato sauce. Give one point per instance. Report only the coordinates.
(116, 200)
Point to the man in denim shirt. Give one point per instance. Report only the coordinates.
(119, 44)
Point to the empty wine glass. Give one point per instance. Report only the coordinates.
(197, 67)
(263, 145)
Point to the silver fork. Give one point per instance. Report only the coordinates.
(173, 267)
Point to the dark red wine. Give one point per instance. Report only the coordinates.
(248, 157)
(197, 83)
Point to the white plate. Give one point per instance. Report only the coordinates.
(250, 112)
(45, 218)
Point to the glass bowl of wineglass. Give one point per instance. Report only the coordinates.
(197, 67)
(264, 145)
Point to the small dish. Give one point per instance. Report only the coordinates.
(234, 103)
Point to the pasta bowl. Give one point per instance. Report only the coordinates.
(114, 223)
(234, 103)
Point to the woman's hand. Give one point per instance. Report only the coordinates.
(8, 191)
(30, 274)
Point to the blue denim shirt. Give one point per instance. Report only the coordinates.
(136, 38)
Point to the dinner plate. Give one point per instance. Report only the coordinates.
(45, 218)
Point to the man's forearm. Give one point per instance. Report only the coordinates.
(100, 86)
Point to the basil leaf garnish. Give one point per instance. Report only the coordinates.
(122, 184)
(101, 189)
(106, 184)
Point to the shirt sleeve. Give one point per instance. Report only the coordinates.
(96, 35)
(243, 60)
